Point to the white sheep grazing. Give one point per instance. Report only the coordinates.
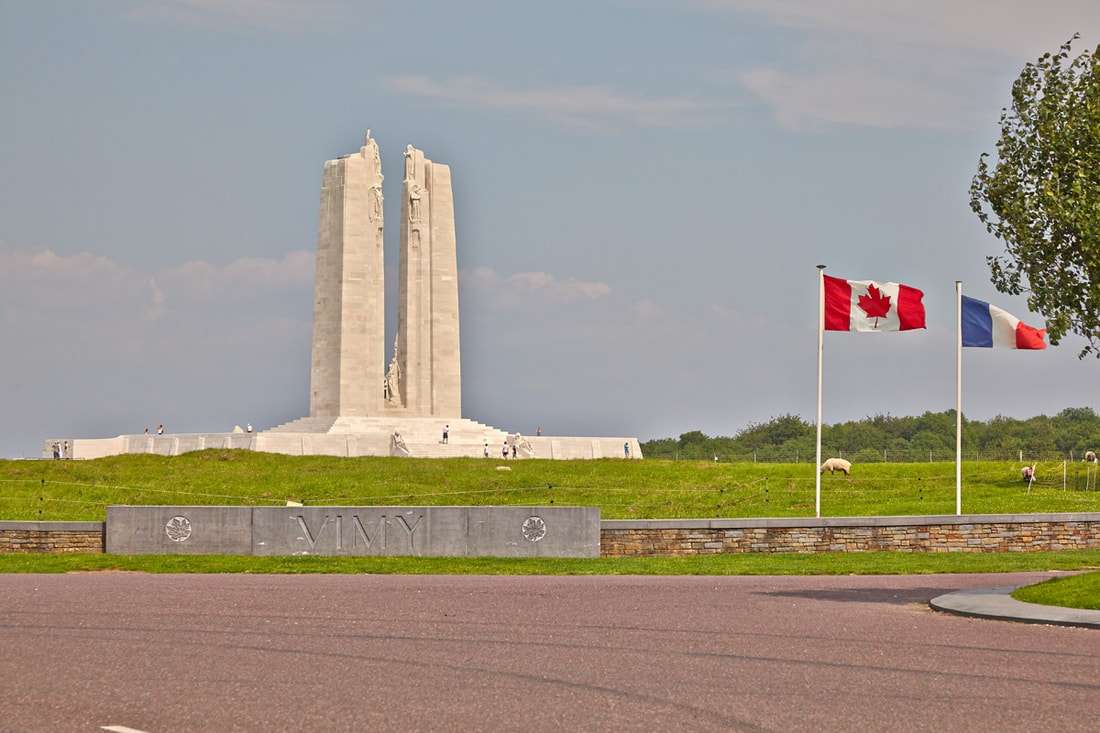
(1027, 473)
(836, 464)
(1090, 457)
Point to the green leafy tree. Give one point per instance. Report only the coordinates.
(1075, 428)
(693, 439)
(1042, 198)
(775, 432)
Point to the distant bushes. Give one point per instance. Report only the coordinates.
(887, 439)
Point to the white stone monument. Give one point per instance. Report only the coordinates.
(358, 406)
(349, 292)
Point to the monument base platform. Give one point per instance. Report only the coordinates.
(351, 437)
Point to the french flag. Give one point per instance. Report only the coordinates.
(988, 326)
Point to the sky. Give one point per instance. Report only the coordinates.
(643, 192)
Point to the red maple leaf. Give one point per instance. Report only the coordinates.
(875, 304)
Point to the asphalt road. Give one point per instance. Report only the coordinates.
(158, 653)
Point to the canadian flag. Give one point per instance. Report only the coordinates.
(866, 305)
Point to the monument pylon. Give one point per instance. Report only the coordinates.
(349, 293)
(424, 378)
(427, 350)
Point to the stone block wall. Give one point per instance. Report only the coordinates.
(52, 537)
(984, 533)
(682, 537)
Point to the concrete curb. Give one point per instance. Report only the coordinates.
(998, 603)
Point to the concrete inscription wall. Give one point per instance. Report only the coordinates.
(179, 530)
(355, 530)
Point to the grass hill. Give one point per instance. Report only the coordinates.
(649, 489)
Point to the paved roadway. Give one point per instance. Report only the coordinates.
(88, 652)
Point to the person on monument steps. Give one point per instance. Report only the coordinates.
(446, 432)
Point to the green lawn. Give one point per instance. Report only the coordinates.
(869, 563)
(1078, 591)
(649, 489)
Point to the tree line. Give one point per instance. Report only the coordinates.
(885, 438)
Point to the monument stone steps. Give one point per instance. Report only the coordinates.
(305, 425)
(423, 430)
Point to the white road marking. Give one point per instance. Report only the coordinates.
(121, 729)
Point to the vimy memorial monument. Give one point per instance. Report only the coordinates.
(360, 404)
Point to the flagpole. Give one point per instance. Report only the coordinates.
(820, 350)
(958, 396)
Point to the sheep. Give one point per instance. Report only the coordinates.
(836, 464)
(1090, 457)
(1027, 473)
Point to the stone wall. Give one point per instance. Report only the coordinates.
(52, 537)
(949, 533)
(681, 537)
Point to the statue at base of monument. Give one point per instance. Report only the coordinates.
(523, 447)
(393, 378)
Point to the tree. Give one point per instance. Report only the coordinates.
(1042, 198)
(774, 433)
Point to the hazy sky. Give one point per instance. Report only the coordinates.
(643, 189)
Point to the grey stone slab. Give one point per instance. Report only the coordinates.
(427, 531)
(349, 530)
(534, 531)
(179, 530)
(449, 535)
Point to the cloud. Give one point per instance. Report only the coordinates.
(43, 282)
(577, 106)
(91, 300)
(857, 95)
(934, 64)
(522, 287)
(247, 279)
(102, 346)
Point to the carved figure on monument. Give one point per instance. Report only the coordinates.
(397, 445)
(409, 157)
(414, 202)
(523, 447)
(376, 203)
(372, 146)
(370, 152)
(393, 378)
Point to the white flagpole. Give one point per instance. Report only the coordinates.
(820, 350)
(958, 396)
